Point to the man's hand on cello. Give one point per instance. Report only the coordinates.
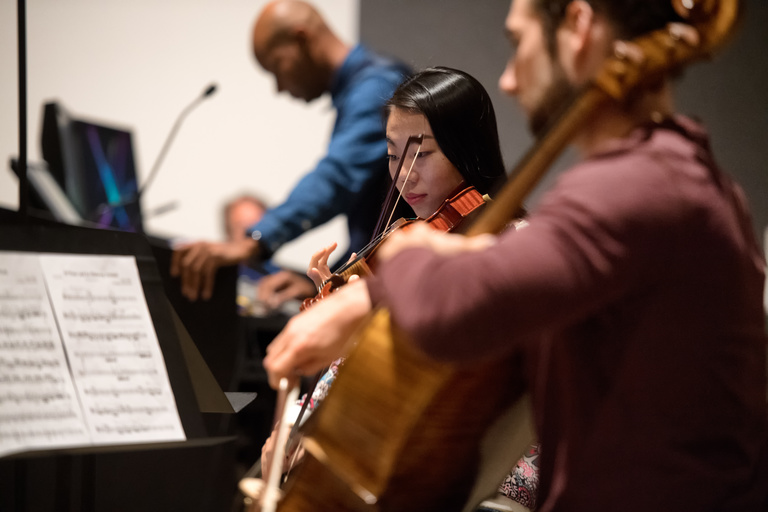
(313, 339)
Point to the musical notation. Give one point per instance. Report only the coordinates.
(122, 374)
(23, 436)
(26, 345)
(30, 397)
(80, 361)
(19, 296)
(31, 379)
(20, 313)
(25, 417)
(107, 317)
(93, 298)
(112, 356)
(33, 363)
(133, 429)
(107, 336)
(118, 392)
(127, 410)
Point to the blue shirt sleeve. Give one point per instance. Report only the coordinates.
(356, 153)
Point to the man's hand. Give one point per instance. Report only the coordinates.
(196, 264)
(421, 235)
(314, 338)
(275, 289)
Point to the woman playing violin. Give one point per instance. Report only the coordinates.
(460, 148)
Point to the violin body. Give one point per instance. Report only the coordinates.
(459, 207)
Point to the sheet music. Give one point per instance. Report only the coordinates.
(38, 403)
(113, 376)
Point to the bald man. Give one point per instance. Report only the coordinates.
(292, 41)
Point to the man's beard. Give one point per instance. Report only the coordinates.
(558, 96)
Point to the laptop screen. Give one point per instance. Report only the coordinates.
(101, 180)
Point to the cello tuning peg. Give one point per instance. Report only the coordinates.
(684, 32)
(627, 51)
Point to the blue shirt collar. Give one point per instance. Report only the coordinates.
(356, 59)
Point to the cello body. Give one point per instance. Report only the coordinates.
(356, 464)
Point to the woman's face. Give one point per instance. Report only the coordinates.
(432, 177)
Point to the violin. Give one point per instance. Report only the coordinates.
(461, 203)
(464, 202)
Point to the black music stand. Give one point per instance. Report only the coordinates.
(191, 474)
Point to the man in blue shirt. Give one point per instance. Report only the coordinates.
(292, 41)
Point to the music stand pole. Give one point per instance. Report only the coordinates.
(22, 44)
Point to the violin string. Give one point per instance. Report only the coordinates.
(407, 175)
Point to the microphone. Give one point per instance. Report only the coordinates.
(206, 93)
(210, 90)
(153, 172)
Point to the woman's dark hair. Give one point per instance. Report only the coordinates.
(463, 122)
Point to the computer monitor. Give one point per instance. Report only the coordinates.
(94, 164)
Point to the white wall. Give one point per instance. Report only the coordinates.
(138, 64)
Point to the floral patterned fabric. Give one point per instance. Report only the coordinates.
(523, 481)
(323, 385)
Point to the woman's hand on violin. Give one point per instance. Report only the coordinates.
(314, 338)
(318, 270)
(421, 235)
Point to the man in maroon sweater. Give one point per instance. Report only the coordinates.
(634, 294)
